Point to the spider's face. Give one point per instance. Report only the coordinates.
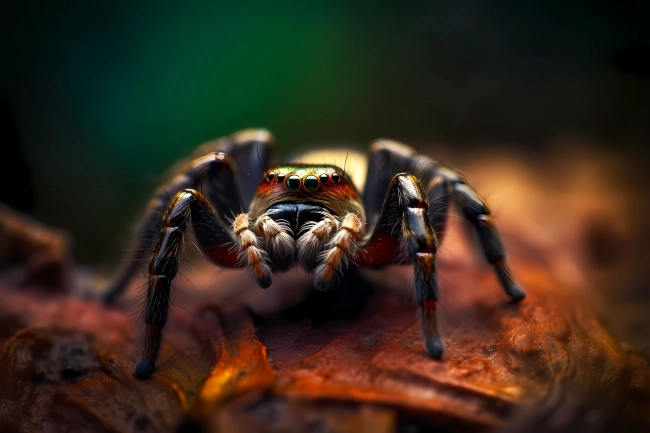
(325, 184)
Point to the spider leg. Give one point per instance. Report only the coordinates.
(252, 152)
(338, 251)
(404, 227)
(442, 185)
(215, 241)
(139, 248)
(386, 158)
(475, 209)
(449, 185)
(216, 165)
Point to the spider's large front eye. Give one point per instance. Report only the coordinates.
(293, 183)
(311, 183)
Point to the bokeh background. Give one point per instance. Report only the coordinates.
(100, 98)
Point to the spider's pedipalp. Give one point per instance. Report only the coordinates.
(314, 236)
(279, 243)
(249, 252)
(338, 252)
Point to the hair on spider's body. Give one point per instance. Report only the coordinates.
(309, 215)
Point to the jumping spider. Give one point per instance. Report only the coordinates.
(308, 215)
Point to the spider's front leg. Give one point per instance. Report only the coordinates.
(215, 242)
(444, 186)
(228, 168)
(404, 226)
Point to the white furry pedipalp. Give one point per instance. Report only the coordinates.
(313, 239)
(279, 240)
(338, 252)
(249, 252)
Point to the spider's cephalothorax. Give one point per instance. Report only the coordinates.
(308, 215)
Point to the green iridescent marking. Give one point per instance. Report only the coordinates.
(293, 183)
(311, 183)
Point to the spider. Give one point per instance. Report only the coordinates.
(307, 215)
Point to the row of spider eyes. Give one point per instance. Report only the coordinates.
(311, 182)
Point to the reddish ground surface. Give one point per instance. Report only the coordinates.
(66, 365)
(287, 358)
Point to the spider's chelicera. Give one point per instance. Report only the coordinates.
(308, 215)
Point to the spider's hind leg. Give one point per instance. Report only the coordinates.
(475, 209)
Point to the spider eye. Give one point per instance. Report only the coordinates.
(336, 177)
(293, 183)
(324, 178)
(270, 176)
(311, 183)
(280, 177)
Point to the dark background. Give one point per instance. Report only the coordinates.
(98, 99)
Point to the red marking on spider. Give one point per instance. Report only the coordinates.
(430, 304)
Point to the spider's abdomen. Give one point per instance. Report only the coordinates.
(327, 186)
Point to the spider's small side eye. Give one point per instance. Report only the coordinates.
(324, 178)
(280, 177)
(270, 176)
(293, 183)
(336, 177)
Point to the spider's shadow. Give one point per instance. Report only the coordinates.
(344, 301)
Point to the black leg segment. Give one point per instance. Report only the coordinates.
(212, 235)
(404, 233)
(213, 166)
(477, 212)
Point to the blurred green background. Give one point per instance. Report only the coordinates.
(100, 98)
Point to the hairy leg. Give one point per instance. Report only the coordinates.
(442, 184)
(215, 240)
(221, 166)
(404, 233)
(152, 218)
(450, 184)
(252, 152)
(477, 212)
